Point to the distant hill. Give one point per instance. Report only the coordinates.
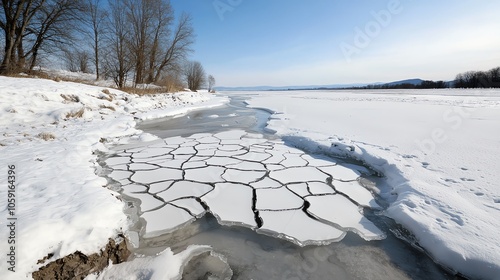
(415, 82)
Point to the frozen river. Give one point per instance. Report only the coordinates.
(218, 177)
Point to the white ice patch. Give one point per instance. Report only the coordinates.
(244, 177)
(209, 174)
(157, 175)
(298, 174)
(341, 173)
(185, 189)
(357, 193)
(277, 199)
(319, 188)
(293, 160)
(147, 201)
(266, 183)
(297, 227)
(341, 212)
(232, 204)
(192, 205)
(300, 189)
(164, 220)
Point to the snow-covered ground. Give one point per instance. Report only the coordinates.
(438, 149)
(50, 131)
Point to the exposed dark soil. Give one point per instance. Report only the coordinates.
(78, 265)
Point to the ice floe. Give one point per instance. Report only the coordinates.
(342, 212)
(298, 227)
(232, 204)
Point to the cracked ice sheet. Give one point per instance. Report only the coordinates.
(151, 152)
(342, 212)
(158, 175)
(341, 173)
(296, 226)
(209, 174)
(293, 160)
(185, 189)
(244, 177)
(357, 193)
(192, 205)
(184, 176)
(148, 202)
(298, 174)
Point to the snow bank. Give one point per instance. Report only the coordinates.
(50, 131)
(438, 149)
(164, 266)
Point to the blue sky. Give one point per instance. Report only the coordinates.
(298, 42)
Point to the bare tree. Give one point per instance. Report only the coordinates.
(51, 27)
(94, 20)
(15, 19)
(76, 60)
(139, 15)
(83, 59)
(118, 63)
(195, 75)
(163, 17)
(176, 49)
(211, 83)
(70, 60)
(30, 26)
(155, 44)
(171, 80)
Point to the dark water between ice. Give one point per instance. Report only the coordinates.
(256, 256)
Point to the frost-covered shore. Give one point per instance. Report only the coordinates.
(50, 131)
(438, 149)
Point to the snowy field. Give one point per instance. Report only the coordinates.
(50, 131)
(438, 149)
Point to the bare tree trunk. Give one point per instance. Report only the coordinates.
(93, 19)
(17, 17)
(96, 55)
(118, 60)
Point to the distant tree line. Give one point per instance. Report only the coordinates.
(127, 40)
(470, 79)
(479, 79)
(423, 85)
